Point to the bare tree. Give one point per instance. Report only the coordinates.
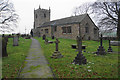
(82, 9)
(8, 16)
(106, 14)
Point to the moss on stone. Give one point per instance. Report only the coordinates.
(34, 67)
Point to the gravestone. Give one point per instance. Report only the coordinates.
(27, 37)
(79, 59)
(53, 37)
(110, 49)
(18, 36)
(4, 46)
(56, 53)
(15, 40)
(43, 37)
(115, 43)
(101, 50)
(74, 46)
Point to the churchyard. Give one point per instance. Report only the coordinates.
(97, 66)
(12, 64)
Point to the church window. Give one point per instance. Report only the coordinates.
(36, 15)
(55, 28)
(44, 15)
(67, 29)
(87, 28)
(64, 29)
(46, 30)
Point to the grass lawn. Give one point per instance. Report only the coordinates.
(16, 57)
(97, 66)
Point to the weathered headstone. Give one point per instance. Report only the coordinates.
(15, 41)
(18, 36)
(115, 43)
(53, 37)
(43, 37)
(79, 59)
(27, 37)
(101, 50)
(57, 54)
(4, 46)
(110, 49)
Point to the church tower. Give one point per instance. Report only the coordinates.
(41, 16)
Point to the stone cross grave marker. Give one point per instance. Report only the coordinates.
(4, 46)
(56, 53)
(110, 49)
(79, 59)
(101, 50)
(56, 42)
(15, 40)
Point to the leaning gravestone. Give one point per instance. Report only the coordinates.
(15, 40)
(56, 54)
(4, 46)
(79, 59)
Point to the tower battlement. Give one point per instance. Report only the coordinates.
(41, 16)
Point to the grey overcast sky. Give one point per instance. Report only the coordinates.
(59, 9)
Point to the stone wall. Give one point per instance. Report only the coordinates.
(91, 34)
(42, 31)
(72, 35)
(74, 31)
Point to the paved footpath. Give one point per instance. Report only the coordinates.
(36, 66)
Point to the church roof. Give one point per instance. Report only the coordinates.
(63, 21)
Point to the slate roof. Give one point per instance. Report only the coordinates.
(63, 21)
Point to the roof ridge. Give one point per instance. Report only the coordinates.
(66, 20)
(69, 17)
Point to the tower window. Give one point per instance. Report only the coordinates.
(44, 15)
(36, 15)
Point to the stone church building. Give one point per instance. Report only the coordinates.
(64, 28)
